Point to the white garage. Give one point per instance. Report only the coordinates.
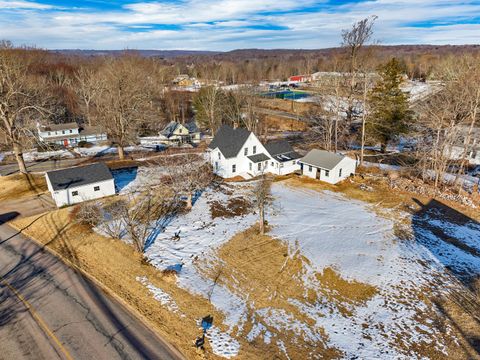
(327, 166)
(81, 183)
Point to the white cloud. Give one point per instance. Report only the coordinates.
(23, 5)
(229, 24)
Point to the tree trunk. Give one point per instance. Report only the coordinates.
(19, 157)
(121, 152)
(189, 201)
(262, 220)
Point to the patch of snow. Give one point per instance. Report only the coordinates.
(222, 344)
(158, 294)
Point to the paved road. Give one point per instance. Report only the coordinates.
(40, 166)
(48, 311)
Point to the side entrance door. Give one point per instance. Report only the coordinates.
(317, 176)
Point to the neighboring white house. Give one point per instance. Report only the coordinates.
(327, 166)
(180, 133)
(239, 152)
(80, 183)
(69, 134)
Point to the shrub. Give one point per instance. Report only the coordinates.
(89, 214)
(84, 144)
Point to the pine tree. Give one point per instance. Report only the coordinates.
(390, 115)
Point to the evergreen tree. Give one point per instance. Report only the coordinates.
(390, 114)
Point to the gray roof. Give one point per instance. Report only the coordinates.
(282, 151)
(258, 157)
(79, 176)
(229, 140)
(322, 159)
(57, 127)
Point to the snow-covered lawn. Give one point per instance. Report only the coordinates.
(398, 259)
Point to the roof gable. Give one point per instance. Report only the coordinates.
(229, 140)
(79, 176)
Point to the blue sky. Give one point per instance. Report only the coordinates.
(232, 24)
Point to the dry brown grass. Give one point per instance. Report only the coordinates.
(20, 186)
(116, 265)
(271, 275)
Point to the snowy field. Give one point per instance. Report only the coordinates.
(331, 232)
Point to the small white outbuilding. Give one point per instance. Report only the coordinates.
(327, 166)
(80, 183)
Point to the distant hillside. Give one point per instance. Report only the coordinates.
(166, 54)
(244, 54)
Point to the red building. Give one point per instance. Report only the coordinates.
(299, 78)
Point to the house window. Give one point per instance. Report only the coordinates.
(96, 188)
(259, 166)
(234, 168)
(327, 173)
(254, 150)
(281, 166)
(71, 131)
(49, 133)
(272, 163)
(63, 131)
(250, 166)
(74, 193)
(219, 155)
(310, 169)
(245, 151)
(216, 165)
(293, 162)
(340, 172)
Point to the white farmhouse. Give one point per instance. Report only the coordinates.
(327, 166)
(80, 183)
(69, 134)
(238, 151)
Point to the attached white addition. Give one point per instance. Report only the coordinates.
(81, 183)
(238, 152)
(327, 166)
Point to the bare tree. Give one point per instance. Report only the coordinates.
(322, 125)
(21, 99)
(353, 40)
(124, 101)
(187, 179)
(262, 195)
(210, 104)
(87, 87)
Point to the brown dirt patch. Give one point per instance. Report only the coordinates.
(235, 206)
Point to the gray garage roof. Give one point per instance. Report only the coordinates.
(79, 176)
(258, 157)
(229, 140)
(322, 159)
